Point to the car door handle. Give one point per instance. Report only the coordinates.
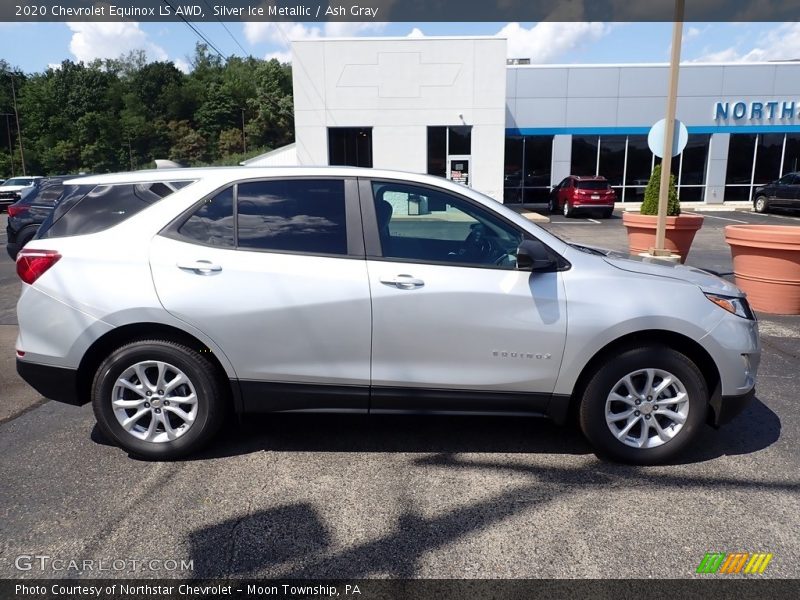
(201, 267)
(403, 282)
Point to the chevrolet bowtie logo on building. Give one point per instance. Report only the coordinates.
(742, 562)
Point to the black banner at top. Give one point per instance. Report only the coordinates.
(395, 10)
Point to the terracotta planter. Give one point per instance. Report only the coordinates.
(766, 264)
(680, 232)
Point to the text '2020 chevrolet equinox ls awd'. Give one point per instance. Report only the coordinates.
(167, 297)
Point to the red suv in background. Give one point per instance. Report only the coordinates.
(583, 193)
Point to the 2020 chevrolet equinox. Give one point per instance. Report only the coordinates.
(168, 297)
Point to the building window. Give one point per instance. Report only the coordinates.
(612, 161)
(584, 154)
(350, 146)
(447, 141)
(627, 162)
(437, 151)
(638, 168)
(791, 154)
(754, 160)
(528, 161)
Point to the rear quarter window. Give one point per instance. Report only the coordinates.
(85, 211)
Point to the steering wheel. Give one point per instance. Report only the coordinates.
(480, 247)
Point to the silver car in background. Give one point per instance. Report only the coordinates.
(168, 298)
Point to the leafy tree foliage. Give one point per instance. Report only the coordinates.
(123, 113)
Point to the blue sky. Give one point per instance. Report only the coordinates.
(34, 46)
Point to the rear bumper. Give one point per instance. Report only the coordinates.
(726, 408)
(579, 205)
(54, 383)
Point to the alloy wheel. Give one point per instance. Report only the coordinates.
(647, 408)
(154, 401)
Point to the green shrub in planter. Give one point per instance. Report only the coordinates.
(650, 203)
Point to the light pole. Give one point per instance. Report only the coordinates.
(669, 128)
(16, 114)
(10, 145)
(244, 140)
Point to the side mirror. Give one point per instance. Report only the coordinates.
(533, 256)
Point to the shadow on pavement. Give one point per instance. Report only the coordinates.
(292, 541)
(755, 429)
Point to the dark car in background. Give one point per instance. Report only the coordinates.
(27, 213)
(783, 193)
(580, 193)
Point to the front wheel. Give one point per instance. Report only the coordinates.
(760, 205)
(157, 399)
(644, 406)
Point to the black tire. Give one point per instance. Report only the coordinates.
(593, 404)
(25, 236)
(607, 213)
(553, 206)
(760, 204)
(567, 210)
(210, 408)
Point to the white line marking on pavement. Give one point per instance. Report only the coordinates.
(594, 221)
(716, 217)
(780, 216)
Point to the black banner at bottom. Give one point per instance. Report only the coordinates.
(706, 588)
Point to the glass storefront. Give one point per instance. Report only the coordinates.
(757, 159)
(528, 163)
(626, 161)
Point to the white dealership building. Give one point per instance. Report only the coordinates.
(458, 108)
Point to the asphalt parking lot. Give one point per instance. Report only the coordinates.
(351, 497)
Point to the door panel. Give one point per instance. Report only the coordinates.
(278, 317)
(467, 328)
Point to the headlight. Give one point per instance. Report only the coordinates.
(737, 306)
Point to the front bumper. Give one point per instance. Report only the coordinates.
(726, 408)
(54, 383)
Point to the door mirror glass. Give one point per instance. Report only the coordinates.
(533, 256)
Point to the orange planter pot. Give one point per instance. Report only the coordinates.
(766, 264)
(680, 232)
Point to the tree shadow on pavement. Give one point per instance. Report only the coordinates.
(292, 541)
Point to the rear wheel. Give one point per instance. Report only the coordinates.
(157, 399)
(644, 406)
(760, 204)
(567, 209)
(607, 213)
(23, 237)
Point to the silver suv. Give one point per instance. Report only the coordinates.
(167, 298)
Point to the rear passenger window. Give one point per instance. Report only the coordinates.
(49, 194)
(292, 216)
(212, 223)
(103, 207)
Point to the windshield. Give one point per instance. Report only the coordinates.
(18, 181)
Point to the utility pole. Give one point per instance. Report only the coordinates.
(244, 140)
(669, 126)
(19, 132)
(130, 153)
(10, 145)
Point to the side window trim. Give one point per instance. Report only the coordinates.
(370, 220)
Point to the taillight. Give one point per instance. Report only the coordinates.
(15, 210)
(32, 264)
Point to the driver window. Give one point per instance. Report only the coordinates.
(424, 225)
